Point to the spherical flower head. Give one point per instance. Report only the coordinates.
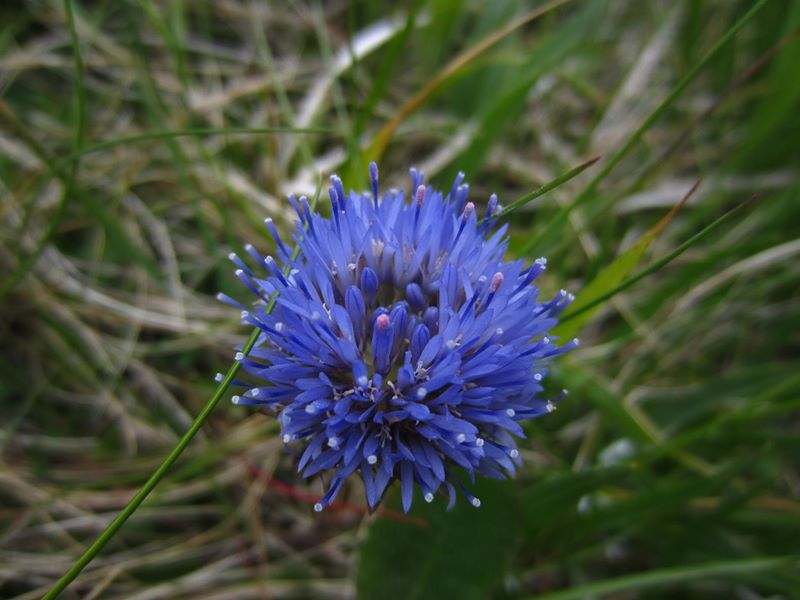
(401, 346)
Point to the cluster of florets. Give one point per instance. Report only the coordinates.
(395, 342)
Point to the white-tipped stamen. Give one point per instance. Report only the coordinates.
(475, 502)
(428, 497)
(333, 442)
(318, 507)
(286, 438)
(479, 442)
(372, 459)
(235, 399)
(511, 412)
(219, 377)
(421, 393)
(238, 356)
(461, 438)
(513, 453)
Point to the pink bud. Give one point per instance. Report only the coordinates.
(382, 322)
(497, 281)
(420, 195)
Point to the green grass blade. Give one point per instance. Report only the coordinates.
(151, 483)
(671, 576)
(623, 150)
(558, 181)
(665, 260)
(610, 277)
(68, 177)
(384, 135)
(560, 218)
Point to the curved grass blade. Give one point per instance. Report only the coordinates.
(560, 218)
(572, 314)
(672, 576)
(67, 177)
(558, 181)
(382, 138)
(610, 277)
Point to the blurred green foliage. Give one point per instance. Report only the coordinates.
(669, 471)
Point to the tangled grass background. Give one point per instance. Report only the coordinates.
(136, 153)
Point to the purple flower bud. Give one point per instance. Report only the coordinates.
(356, 309)
(431, 318)
(416, 297)
(369, 283)
(419, 339)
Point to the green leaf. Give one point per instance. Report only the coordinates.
(460, 554)
(588, 304)
(615, 273)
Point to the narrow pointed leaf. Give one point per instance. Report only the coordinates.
(615, 273)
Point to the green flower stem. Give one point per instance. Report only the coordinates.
(159, 473)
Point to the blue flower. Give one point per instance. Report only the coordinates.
(400, 346)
